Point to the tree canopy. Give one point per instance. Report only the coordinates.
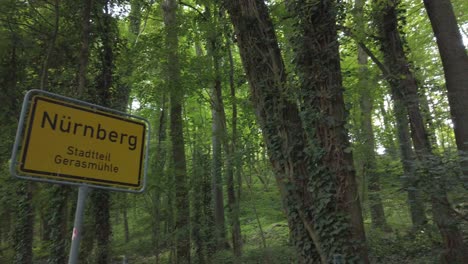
(315, 131)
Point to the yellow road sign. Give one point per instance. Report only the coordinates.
(70, 142)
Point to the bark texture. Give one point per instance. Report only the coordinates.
(289, 147)
(324, 117)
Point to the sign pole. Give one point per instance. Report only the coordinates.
(77, 229)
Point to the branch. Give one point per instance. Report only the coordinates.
(369, 53)
(29, 26)
(144, 25)
(194, 8)
(464, 31)
(40, 15)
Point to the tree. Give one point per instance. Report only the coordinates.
(176, 126)
(410, 178)
(455, 63)
(218, 129)
(24, 225)
(84, 51)
(405, 91)
(233, 196)
(365, 136)
(12, 74)
(308, 192)
(323, 112)
(105, 95)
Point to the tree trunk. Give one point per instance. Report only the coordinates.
(24, 227)
(197, 222)
(160, 164)
(217, 161)
(409, 177)
(366, 138)
(208, 214)
(84, 51)
(218, 131)
(324, 116)
(408, 160)
(233, 198)
(57, 223)
(102, 227)
(88, 234)
(455, 63)
(388, 140)
(265, 70)
(50, 48)
(101, 199)
(178, 147)
(125, 219)
(135, 17)
(286, 141)
(10, 93)
(404, 88)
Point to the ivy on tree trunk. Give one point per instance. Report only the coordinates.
(310, 192)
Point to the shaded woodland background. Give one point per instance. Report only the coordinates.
(276, 126)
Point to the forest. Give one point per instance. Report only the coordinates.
(313, 131)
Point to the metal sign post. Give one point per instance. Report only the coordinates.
(77, 226)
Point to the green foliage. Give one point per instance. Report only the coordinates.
(402, 247)
(139, 56)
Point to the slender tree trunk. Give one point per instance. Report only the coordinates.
(455, 63)
(261, 232)
(233, 197)
(101, 199)
(203, 216)
(366, 135)
(84, 51)
(24, 227)
(288, 148)
(50, 48)
(125, 219)
(217, 161)
(368, 150)
(160, 164)
(58, 224)
(405, 89)
(218, 131)
(135, 17)
(102, 227)
(388, 141)
(177, 137)
(199, 226)
(408, 160)
(88, 234)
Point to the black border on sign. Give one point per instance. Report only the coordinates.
(76, 178)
